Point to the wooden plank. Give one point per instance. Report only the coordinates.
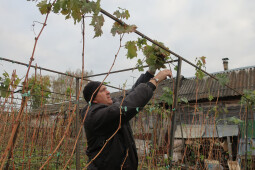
(233, 165)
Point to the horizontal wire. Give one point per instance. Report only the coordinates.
(79, 77)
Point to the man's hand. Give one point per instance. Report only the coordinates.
(162, 75)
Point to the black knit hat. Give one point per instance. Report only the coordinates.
(89, 90)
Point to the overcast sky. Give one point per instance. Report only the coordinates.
(191, 28)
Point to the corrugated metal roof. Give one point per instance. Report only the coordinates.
(210, 131)
(239, 79)
(227, 130)
(250, 147)
(206, 131)
(190, 131)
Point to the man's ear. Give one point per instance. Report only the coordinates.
(94, 101)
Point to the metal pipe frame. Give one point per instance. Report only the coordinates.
(175, 108)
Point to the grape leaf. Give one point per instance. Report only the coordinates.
(223, 79)
(44, 7)
(115, 28)
(210, 97)
(176, 68)
(132, 49)
(120, 29)
(117, 14)
(96, 8)
(57, 6)
(130, 28)
(235, 120)
(141, 42)
(200, 63)
(76, 11)
(167, 96)
(89, 7)
(124, 14)
(97, 22)
(184, 99)
(139, 65)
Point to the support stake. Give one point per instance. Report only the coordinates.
(78, 167)
(173, 121)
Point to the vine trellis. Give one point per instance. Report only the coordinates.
(17, 124)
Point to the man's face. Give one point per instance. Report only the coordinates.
(103, 96)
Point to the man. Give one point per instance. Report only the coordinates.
(109, 136)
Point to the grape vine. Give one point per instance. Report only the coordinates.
(155, 56)
(5, 82)
(76, 9)
(200, 63)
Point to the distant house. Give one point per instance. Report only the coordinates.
(212, 116)
(197, 93)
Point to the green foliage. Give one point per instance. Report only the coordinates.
(235, 120)
(123, 14)
(118, 28)
(62, 84)
(69, 91)
(141, 42)
(184, 100)
(215, 109)
(39, 89)
(156, 109)
(6, 82)
(75, 9)
(210, 97)
(44, 7)
(124, 85)
(167, 96)
(223, 79)
(148, 158)
(202, 157)
(176, 68)
(248, 97)
(140, 65)
(225, 110)
(97, 22)
(121, 29)
(132, 52)
(200, 63)
(200, 109)
(155, 56)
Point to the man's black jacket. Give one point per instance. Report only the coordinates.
(102, 121)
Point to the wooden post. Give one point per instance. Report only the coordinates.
(246, 136)
(183, 142)
(229, 142)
